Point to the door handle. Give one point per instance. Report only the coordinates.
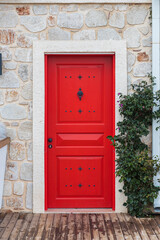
(80, 94)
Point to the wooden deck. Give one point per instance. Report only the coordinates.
(18, 226)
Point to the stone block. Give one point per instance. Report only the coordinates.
(85, 35)
(142, 69)
(121, 7)
(117, 20)
(132, 37)
(6, 53)
(108, 34)
(51, 21)
(40, 9)
(137, 15)
(13, 111)
(142, 57)
(15, 202)
(17, 151)
(33, 23)
(9, 80)
(7, 189)
(25, 40)
(29, 196)
(11, 171)
(11, 132)
(70, 20)
(144, 30)
(131, 61)
(18, 188)
(58, 34)
(23, 72)
(30, 151)
(108, 7)
(87, 7)
(147, 42)
(96, 18)
(26, 172)
(23, 55)
(10, 65)
(11, 95)
(8, 19)
(24, 10)
(25, 131)
(54, 9)
(69, 8)
(7, 36)
(1, 98)
(27, 91)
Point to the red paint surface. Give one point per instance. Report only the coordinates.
(79, 168)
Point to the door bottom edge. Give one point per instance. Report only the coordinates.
(80, 210)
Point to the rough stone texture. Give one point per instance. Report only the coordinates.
(27, 91)
(13, 111)
(15, 202)
(7, 36)
(11, 95)
(108, 7)
(30, 152)
(6, 53)
(142, 57)
(131, 61)
(11, 171)
(137, 15)
(147, 42)
(25, 10)
(25, 131)
(54, 9)
(1, 98)
(69, 8)
(40, 9)
(29, 196)
(70, 20)
(9, 80)
(108, 34)
(8, 19)
(144, 30)
(121, 7)
(26, 172)
(23, 72)
(34, 23)
(132, 36)
(23, 55)
(58, 34)
(142, 69)
(7, 189)
(10, 65)
(39, 22)
(85, 35)
(11, 132)
(18, 188)
(96, 18)
(17, 151)
(26, 39)
(117, 20)
(51, 21)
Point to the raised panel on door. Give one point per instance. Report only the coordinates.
(79, 116)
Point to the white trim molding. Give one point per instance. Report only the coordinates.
(73, 1)
(40, 48)
(156, 74)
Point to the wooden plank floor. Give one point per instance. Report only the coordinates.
(109, 226)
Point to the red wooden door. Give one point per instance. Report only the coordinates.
(79, 116)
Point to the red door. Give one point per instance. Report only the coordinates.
(79, 116)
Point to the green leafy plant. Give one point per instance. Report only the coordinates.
(133, 164)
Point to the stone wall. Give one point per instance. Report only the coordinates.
(20, 25)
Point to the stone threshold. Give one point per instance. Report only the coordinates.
(79, 210)
(73, 1)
